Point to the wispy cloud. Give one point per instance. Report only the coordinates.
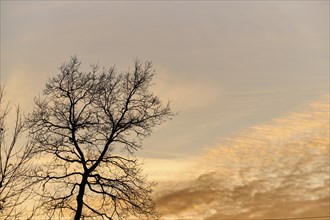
(276, 170)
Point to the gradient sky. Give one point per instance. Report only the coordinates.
(226, 65)
(274, 170)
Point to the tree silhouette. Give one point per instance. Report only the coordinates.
(88, 126)
(15, 164)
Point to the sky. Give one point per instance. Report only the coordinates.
(275, 170)
(230, 68)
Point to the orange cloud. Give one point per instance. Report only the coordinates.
(276, 170)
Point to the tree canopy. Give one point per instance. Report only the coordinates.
(87, 126)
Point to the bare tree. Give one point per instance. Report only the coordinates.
(88, 126)
(14, 164)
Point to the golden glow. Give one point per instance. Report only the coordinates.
(279, 169)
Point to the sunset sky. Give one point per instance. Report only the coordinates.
(250, 80)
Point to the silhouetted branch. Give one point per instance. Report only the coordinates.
(14, 164)
(80, 125)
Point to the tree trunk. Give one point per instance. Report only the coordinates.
(80, 197)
